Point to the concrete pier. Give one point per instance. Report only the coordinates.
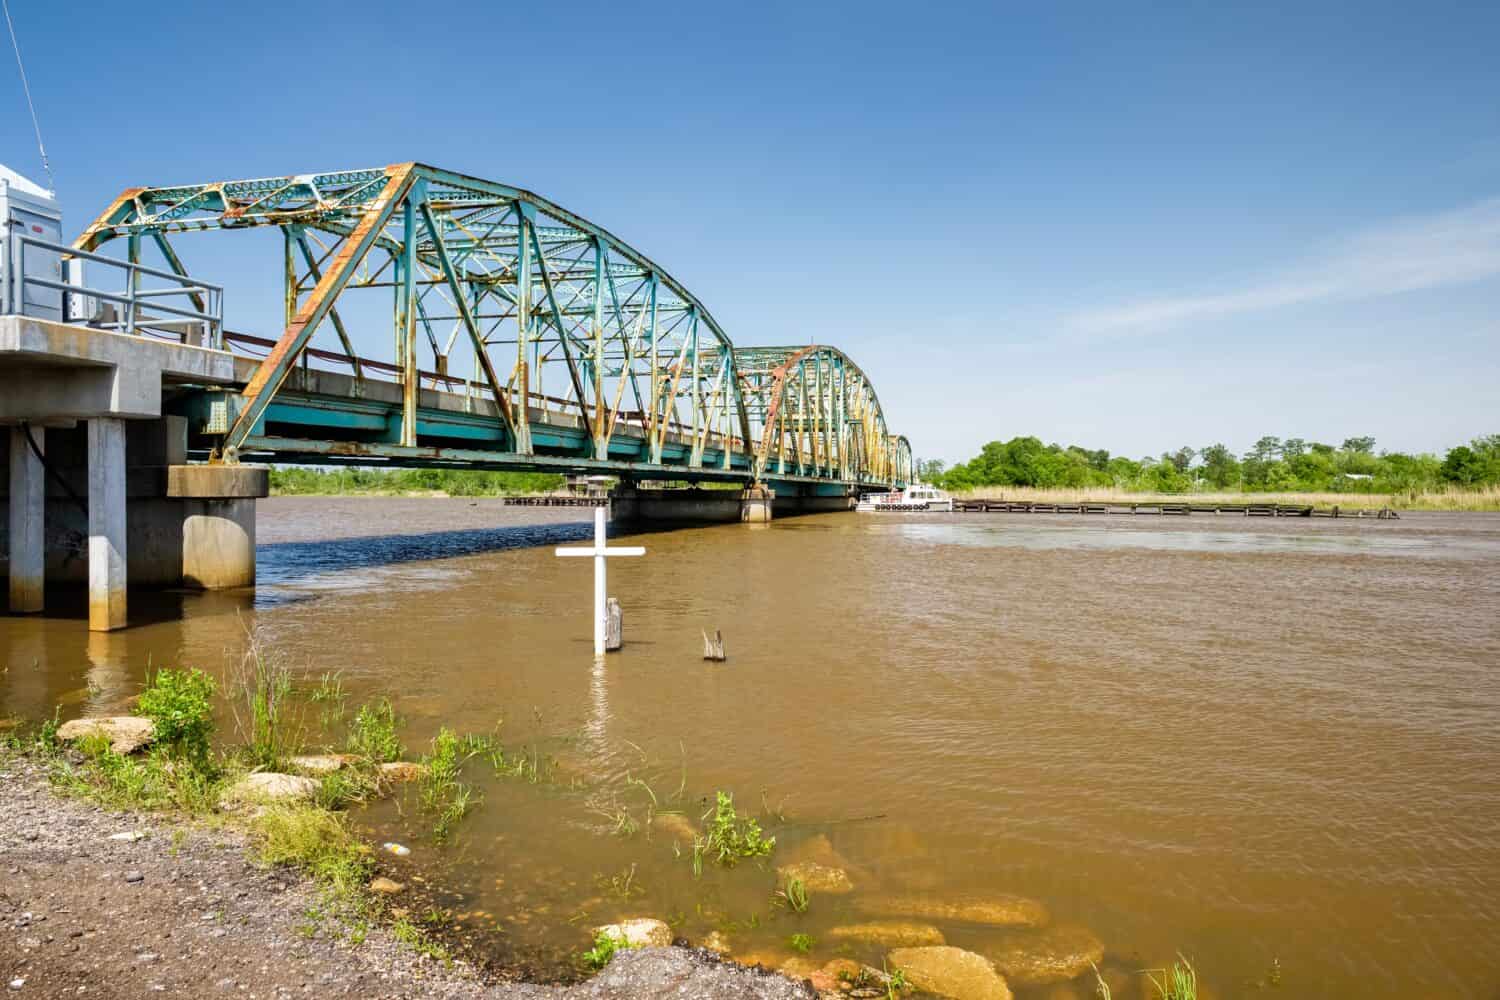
(112, 502)
(106, 459)
(28, 502)
(757, 504)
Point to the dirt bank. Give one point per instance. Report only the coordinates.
(89, 908)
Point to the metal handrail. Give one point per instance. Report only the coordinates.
(134, 319)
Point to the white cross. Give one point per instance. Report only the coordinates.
(599, 551)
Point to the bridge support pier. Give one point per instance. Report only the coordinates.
(757, 504)
(107, 508)
(28, 502)
(121, 508)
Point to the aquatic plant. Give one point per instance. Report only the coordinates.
(621, 885)
(801, 943)
(179, 704)
(443, 794)
(794, 896)
(1180, 982)
(730, 837)
(372, 733)
(605, 946)
(1101, 988)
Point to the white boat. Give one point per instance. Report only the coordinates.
(917, 496)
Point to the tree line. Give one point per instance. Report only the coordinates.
(1294, 465)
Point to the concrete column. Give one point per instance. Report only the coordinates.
(218, 522)
(28, 502)
(756, 504)
(106, 524)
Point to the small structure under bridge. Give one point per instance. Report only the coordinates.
(427, 319)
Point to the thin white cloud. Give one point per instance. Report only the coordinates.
(1409, 255)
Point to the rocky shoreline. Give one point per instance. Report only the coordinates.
(119, 904)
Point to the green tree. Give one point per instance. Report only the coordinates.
(1359, 445)
(1464, 466)
(1266, 449)
(1293, 447)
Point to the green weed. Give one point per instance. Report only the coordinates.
(605, 946)
(262, 708)
(801, 943)
(730, 837)
(1180, 982)
(372, 734)
(419, 940)
(180, 707)
(794, 896)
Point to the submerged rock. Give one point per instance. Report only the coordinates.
(890, 933)
(676, 826)
(950, 972)
(820, 849)
(402, 770)
(640, 932)
(817, 878)
(268, 786)
(324, 763)
(384, 885)
(716, 942)
(126, 733)
(995, 911)
(1054, 955)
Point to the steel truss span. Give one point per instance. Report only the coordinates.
(510, 333)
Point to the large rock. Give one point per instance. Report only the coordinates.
(816, 877)
(268, 786)
(323, 763)
(889, 933)
(126, 733)
(641, 932)
(950, 972)
(1054, 955)
(398, 771)
(994, 911)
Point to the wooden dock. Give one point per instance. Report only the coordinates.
(554, 501)
(1167, 507)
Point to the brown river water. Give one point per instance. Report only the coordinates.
(1268, 745)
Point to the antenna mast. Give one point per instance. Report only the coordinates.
(26, 86)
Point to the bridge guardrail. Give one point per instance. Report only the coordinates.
(135, 310)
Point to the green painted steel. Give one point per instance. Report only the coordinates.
(578, 351)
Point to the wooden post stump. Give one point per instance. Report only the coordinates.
(614, 626)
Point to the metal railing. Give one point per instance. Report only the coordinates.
(182, 307)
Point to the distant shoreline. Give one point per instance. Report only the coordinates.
(1466, 501)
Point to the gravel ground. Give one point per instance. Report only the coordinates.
(183, 913)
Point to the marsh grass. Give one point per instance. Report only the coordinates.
(443, 796)
(1484, 498)
(1180, 982)
(265, 713)
(794, 896)
(372, 733)
(150, 783)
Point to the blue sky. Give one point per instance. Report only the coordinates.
(1130, 227)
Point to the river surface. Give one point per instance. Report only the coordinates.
(1272, 746)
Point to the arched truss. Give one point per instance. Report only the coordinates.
(559, 325)
(817, 415)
